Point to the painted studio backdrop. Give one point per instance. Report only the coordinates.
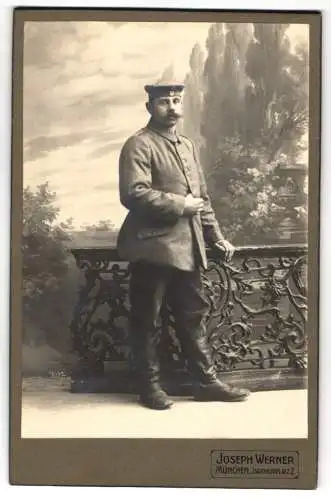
(246, 107)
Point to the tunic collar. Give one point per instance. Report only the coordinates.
(171, 136)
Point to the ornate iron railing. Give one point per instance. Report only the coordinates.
(256, 321)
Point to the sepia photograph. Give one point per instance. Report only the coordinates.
(165, 235)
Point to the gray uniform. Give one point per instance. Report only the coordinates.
(165, 247)
(156, 171)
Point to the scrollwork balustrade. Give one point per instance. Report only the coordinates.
(256, 321)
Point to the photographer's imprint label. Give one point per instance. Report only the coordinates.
(257, 464)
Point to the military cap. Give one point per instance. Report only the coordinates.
(164, 87)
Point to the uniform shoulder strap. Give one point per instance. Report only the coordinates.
(140, 132)
(185, 138)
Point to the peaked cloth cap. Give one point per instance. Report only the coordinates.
(164, 87)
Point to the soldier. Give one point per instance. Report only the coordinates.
(163, 237)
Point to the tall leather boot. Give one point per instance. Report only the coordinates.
(189, 306)
(151, 393)
(207, 386)
(147, 288)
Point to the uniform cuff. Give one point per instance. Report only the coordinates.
(213, 235)
(178, 204)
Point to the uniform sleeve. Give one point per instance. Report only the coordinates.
(211, 230)
(135, 184)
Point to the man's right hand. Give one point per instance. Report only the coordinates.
(193, 205)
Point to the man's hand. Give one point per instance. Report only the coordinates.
(226, 247)
(193, 205)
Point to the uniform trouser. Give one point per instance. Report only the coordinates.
(150, 284)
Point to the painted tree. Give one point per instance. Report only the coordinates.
(193, 96)
(277, 95)
(51, 278)
(211, 125)
(225, 82)
(258, 117)
(234, 78)
(45, 244)
(277, 120)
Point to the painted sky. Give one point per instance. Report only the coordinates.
(84, 95)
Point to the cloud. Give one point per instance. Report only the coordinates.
(84, 95)
(97, 104)
(47, 44)
(109, 74)
(104, 150)
(41, 146)
(69, 77)
(133, 55)
(87, 71)
(108, 135)
(107, 186)
(147, 75)
(46, 173)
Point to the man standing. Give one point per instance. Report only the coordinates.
(163, 237)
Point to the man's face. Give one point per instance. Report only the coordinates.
(167, 109)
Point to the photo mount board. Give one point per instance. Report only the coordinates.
(160, 462)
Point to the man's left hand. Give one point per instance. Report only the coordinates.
(226, 247)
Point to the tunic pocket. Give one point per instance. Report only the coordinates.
(146, 233)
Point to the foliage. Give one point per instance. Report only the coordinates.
(245, 189)
(102, 225)
(193, 96)
(253, 120)
(50, 276)
(44, 245)
(277, 95)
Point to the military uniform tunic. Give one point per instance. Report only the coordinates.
(157, 170)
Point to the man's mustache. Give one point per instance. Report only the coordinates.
(173, 115)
